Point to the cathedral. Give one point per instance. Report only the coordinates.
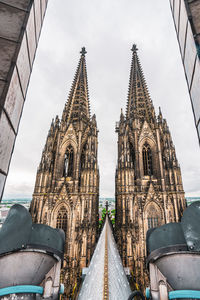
(149, 190)
(66, 193)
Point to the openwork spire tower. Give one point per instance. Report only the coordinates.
(66, 191)
(149, 190)
(77, 105)
(139, 104)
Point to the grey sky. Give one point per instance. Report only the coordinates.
(107, 29)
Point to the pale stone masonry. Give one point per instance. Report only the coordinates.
(20, 25)
(186, 15)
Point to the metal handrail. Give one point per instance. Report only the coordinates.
(186, 294)
(26, 289)
(134, 294)
(179, 294)
(33, 289)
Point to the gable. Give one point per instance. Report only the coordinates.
(146, 133)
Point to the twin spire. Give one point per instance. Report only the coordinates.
(77, 106)
(139, 104)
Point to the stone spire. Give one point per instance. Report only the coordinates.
(77, 106)
(149, 190)
(139, 104)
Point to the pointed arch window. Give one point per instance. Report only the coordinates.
(147, 160)
(69, 162)
(62, 219)
(152, 222)
(153, 216)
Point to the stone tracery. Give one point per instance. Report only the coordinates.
(68, 180)
(154, 176)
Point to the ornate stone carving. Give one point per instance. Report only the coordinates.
(57, 189)
(149, 191)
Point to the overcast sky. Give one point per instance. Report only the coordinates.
(107, 29)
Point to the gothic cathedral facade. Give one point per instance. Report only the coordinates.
(149, 190)
(66, 193)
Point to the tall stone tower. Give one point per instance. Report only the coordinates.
(149, 190)
(66, 191)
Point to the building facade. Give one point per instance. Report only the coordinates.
(186, 15)
(20, 23)
(149, 190)
(66, 191)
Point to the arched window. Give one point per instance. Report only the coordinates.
(147, 160)
(62, 219)
(152, 222)
(69, 162)
(153, 215)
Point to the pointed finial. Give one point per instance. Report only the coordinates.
(57, 120)
(83, 51)
(134, 48)
(121, 115)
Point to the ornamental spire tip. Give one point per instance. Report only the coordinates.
(134, 48)
(83, 51)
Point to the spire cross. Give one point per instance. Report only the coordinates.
(83, 51)
(134, 48)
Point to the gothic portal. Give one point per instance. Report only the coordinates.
(149, 190)
(66, 191)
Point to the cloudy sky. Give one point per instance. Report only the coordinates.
(107, 29)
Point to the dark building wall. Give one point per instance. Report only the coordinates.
(20, 25)
(186, 15)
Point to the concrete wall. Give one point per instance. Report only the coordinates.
(186, 15)
(20, 25)
(194, 15)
